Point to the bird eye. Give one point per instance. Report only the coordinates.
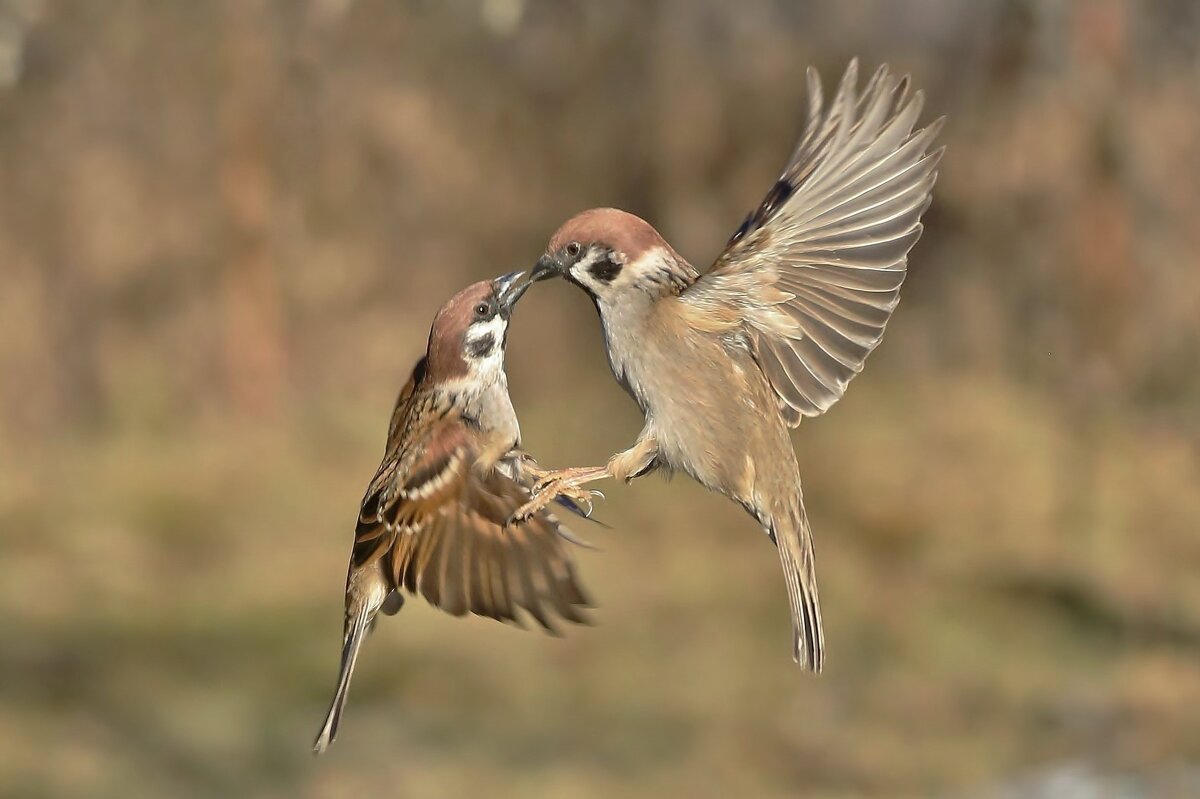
(573, 249)
(481, 309)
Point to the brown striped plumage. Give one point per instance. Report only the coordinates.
(434, 518)
(432, 522)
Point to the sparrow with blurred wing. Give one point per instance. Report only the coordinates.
(723, 363)
(433, 519)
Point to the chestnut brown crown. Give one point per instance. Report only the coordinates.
(620, 231)
(471, 329)
(447, 336)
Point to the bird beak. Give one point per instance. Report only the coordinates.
(546, 268)
(509, 289)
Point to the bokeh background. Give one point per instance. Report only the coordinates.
(225, 227)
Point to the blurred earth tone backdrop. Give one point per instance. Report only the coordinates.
(224, 230)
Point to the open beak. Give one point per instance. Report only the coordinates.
(509, 289)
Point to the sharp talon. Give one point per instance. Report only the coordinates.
(521, 514)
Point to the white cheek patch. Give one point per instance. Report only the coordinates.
(603, 272)
(580, 270)
(484, 347)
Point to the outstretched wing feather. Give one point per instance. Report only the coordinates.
(828, 246)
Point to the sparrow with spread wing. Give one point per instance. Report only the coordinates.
(722, 363)
(433, 521)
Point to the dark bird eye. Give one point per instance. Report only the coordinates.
(573, 249)
(481, 309)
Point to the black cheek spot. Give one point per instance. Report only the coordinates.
(605, 270)
(482, 346)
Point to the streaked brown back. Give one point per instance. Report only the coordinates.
(438, 525)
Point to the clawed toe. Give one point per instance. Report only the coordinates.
(541, 497)
(549, 489)
(582, 497)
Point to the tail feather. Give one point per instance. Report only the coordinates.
(794, 541)
(354, 638)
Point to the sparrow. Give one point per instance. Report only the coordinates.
(724, 362)
(433, 520)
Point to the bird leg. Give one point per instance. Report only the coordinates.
(634, 462)
(640, 459)
(552, 484)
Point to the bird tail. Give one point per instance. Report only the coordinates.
(355, 634)
(793, 537)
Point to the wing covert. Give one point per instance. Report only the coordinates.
(815, 271)
(439, 525)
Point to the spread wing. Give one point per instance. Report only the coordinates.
(815, 271)
(439, 526)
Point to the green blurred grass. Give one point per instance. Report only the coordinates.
(1005, 586)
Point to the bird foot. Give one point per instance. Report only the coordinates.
(566, 483)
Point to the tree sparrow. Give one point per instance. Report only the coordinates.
(433, 518)
(723, 362)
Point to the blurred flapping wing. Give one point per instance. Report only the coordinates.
(438, 523)
(816, 270)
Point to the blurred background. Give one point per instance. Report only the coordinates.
(225, 228)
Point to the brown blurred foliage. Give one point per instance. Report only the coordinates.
(224, 229)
